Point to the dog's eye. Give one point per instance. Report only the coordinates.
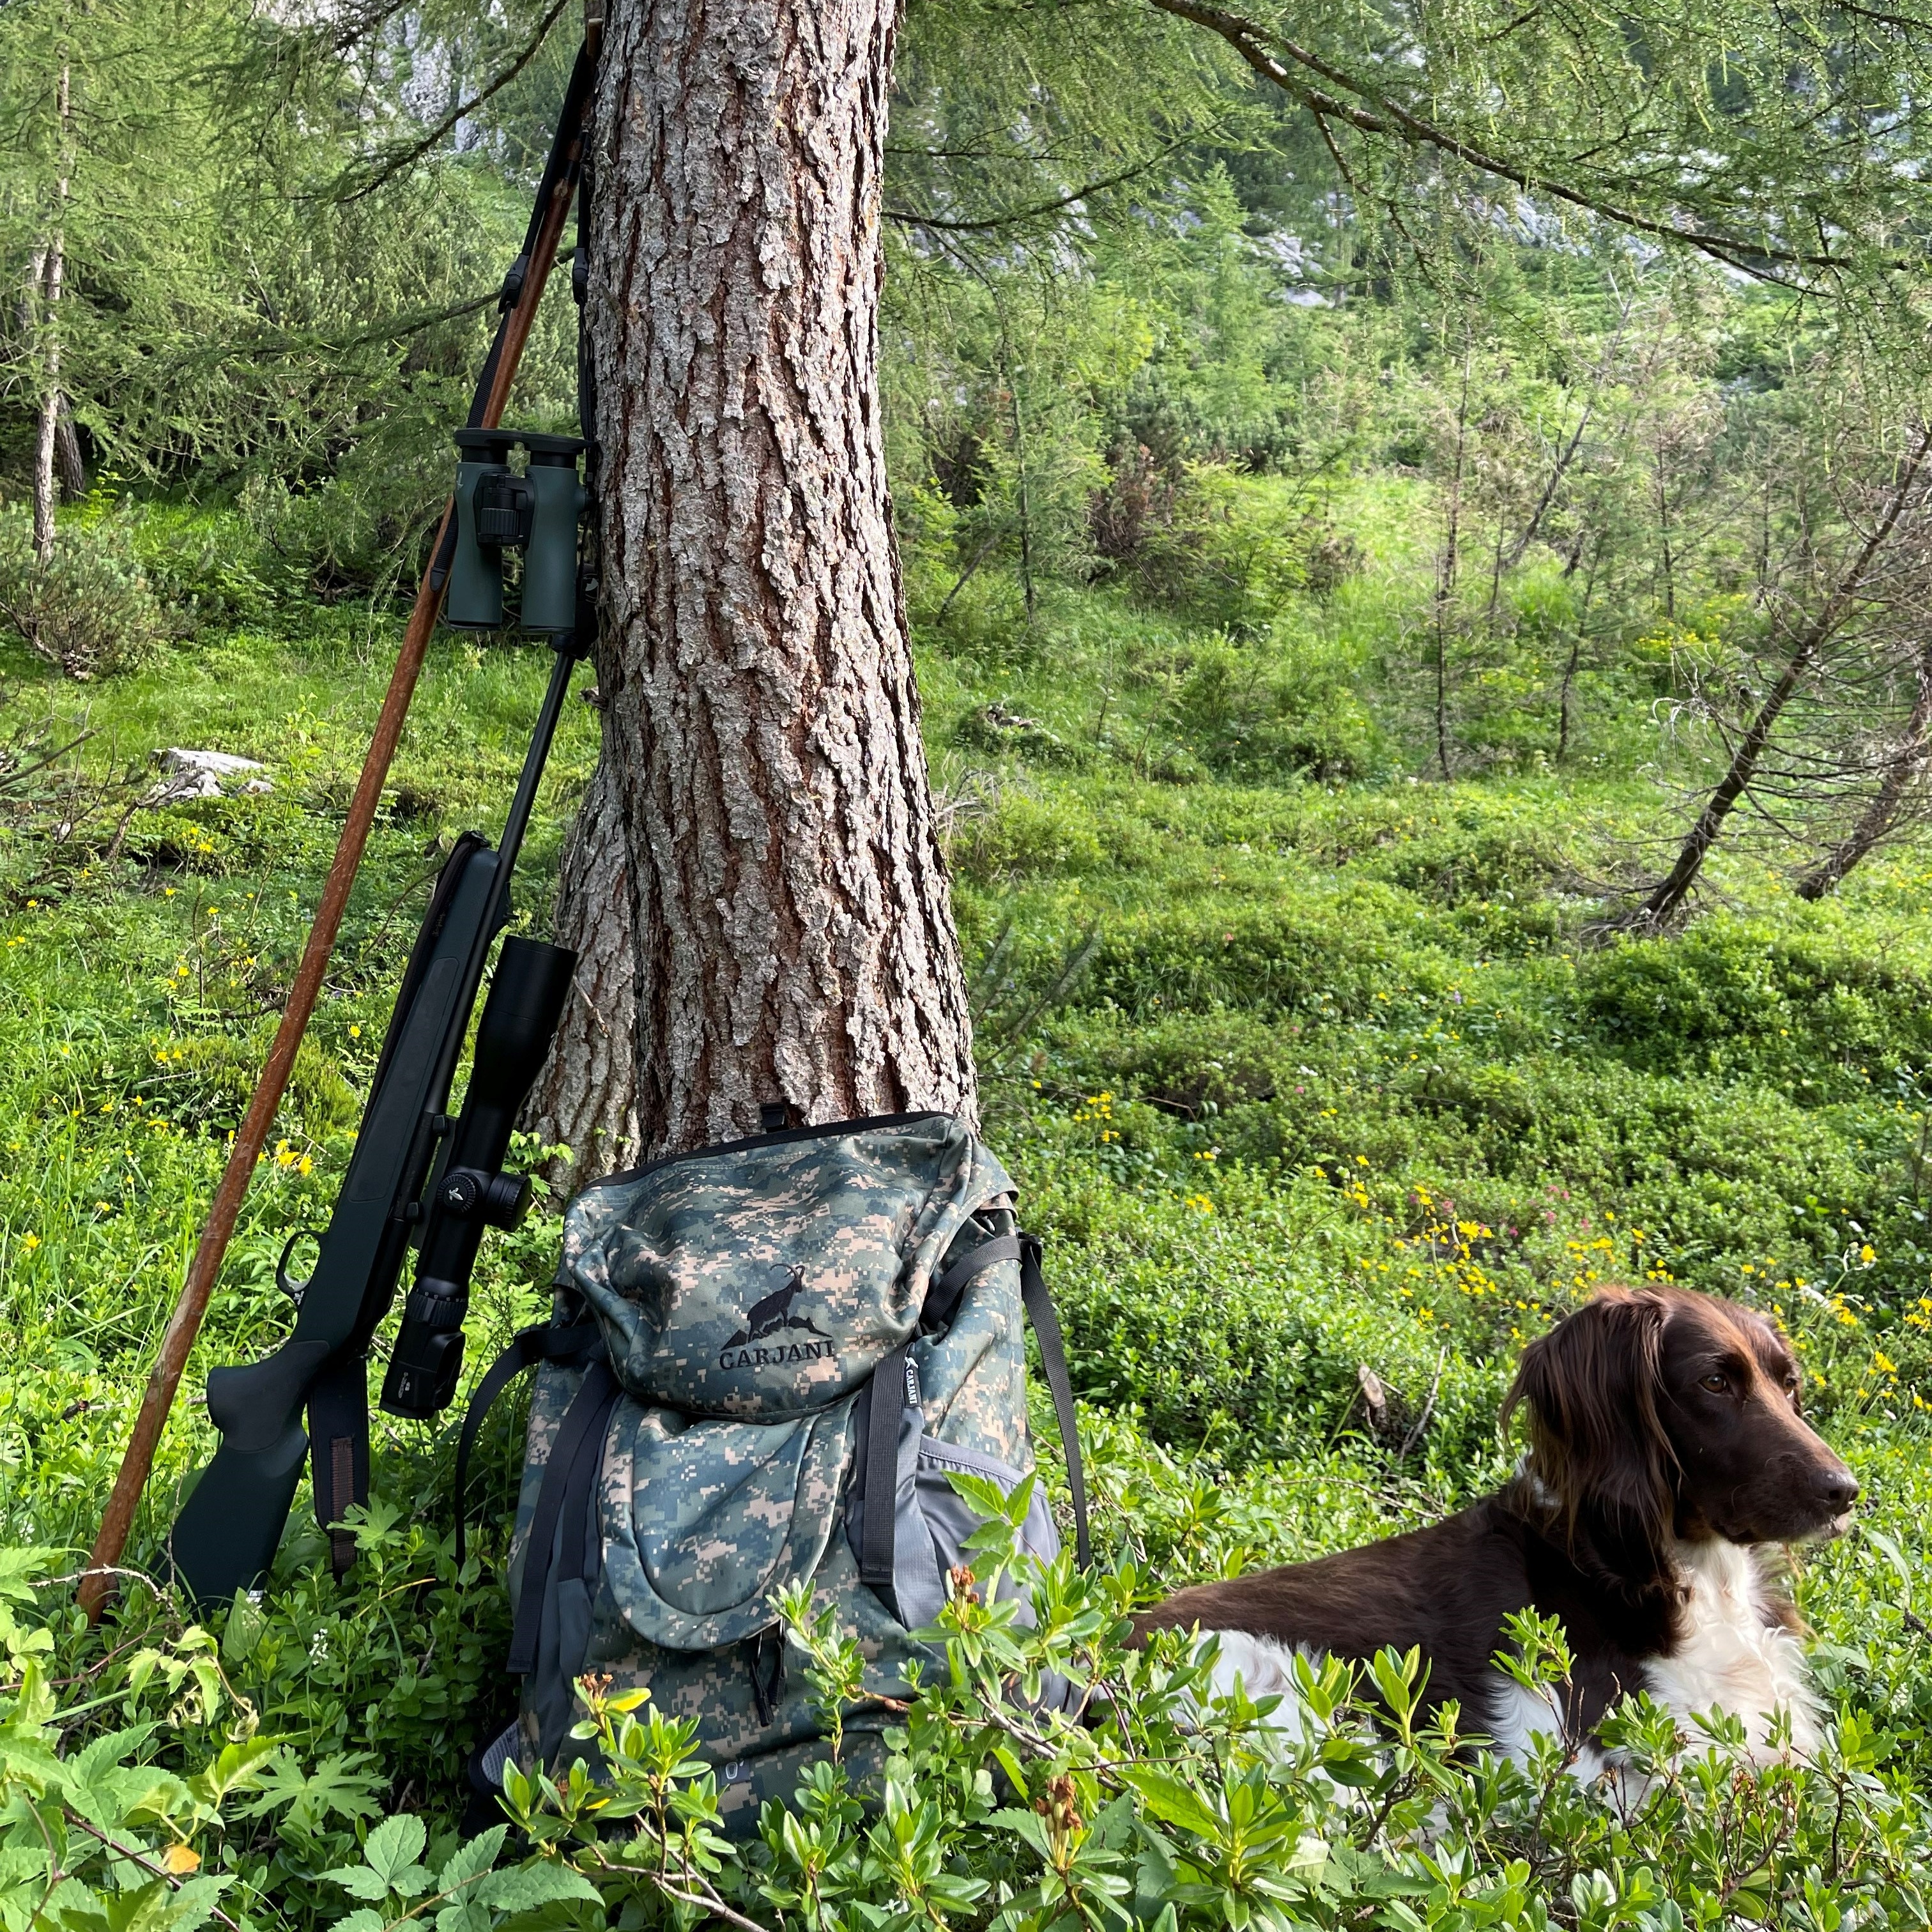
(1716, 1385)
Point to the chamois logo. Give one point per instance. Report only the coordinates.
(770, 1316)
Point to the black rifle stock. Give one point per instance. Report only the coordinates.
(225, 1536)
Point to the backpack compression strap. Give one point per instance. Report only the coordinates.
(877, 1539)
(885, 1393)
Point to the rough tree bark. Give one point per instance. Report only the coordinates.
(759, 855)
(587, 1100)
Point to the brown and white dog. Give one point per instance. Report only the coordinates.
(1668, 1458)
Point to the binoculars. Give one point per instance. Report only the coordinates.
(498, 510)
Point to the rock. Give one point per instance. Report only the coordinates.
(993, 727)
(190, 774)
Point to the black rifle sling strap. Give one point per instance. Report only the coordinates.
(880, 1454)
(545, 1342)
(338, 1429)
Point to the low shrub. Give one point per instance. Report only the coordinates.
(1271, 709)
(1168, 1806)
(1736, 996)
(89, 610)
(207, 565)
(1204, 541)
(210, 1077)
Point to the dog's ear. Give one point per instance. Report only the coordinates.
(1597, 1444)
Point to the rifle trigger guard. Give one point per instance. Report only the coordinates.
(286, 1282)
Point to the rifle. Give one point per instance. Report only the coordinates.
(416, 1176)
(225, 1534)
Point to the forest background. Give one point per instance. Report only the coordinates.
(1428, 692)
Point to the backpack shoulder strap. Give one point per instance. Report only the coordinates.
(880, 1446)
(568, 1478)
(1039, 1309)
(546, 1342)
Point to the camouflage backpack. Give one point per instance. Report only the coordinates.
(763, 1359)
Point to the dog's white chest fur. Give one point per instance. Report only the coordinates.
(1733, 1658)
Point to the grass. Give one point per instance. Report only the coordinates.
(1310, 1080)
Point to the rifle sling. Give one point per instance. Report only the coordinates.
(568, 1477)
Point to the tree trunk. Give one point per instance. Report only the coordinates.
(1446, 567)
(587, 1100)
(1881, 815)
(47, 430)
(68, 466)
(778, 893)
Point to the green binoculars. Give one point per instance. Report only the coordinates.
(496, 510)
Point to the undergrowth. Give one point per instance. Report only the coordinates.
(1324, 1101)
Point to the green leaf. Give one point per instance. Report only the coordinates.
(395, 1846)
(19, 1567)
(239, 1765)
(194, 1902)
(540, 1882)
(107, 1753)
(1028, 1826)
(1173, 1802)
(243, 1631)
(359, 1881)
(147, 1908)
(468, 1862)
(343, 1786)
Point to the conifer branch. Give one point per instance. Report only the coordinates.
(1258, 46)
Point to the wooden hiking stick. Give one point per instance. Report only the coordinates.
(185, 1324)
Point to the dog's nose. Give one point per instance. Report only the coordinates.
(1837, 1488)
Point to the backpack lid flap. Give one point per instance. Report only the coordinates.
(768, 1278)
(703, 1520)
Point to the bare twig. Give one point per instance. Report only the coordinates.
(1667, 898)
(913, 218)
(134, 1856)
(394, 164)
(1415, 1435)
(1254, 43)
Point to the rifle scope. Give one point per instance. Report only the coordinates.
(472, 1192)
